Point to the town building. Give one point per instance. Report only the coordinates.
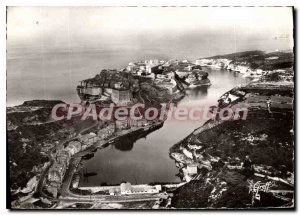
(150, 68)
(89, 87)
(192, 78)
(189, 172)
(187, 153)
(93, 91)
(56, 174)
(197, 153)
(142, 190)
(107, 131)
(107, 91)
(112, 191)
(178, 157)
(142, 72)
(53, 190)
(185, 61)
(88, 139)
(138, 123)
(192, 169)
(187, 177)
(203, 62)
(74, 147)
(63, 157)
(127, 188)
(194, 146)
(132, 66)
(121, 97)
(121, 124)
(169, 84)
(192, 67)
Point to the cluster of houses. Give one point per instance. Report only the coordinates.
(121, 95)
(146, 68)
(241, 67)
(61, 162)
(132, 124)
(190, 160)
(63, 155)
(217, 63)
(186, 164)
(109, 85)
(166, 81)
(107, 131)
(150, 67)
(64, 152)
(192, 74)
(118, 86)
(163, 72)
(196, 75)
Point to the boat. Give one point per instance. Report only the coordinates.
(89, 174)
(88, 156)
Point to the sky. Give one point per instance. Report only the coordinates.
(99, 27)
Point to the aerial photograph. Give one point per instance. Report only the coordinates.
(150, 108)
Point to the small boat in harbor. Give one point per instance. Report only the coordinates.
(88, 156)
(76, 179)
(89, 174)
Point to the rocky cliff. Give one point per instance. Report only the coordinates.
(218, 149)
(252, 63)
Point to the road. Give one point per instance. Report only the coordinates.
(68, 196)
(77, 158)
(111, 199)
(39, 189)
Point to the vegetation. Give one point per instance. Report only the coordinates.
(266, 136)
(28, 141)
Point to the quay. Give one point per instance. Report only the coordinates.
(76, 159)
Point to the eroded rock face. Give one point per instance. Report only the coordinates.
(161, 81)
(219, 148)
(252, 63)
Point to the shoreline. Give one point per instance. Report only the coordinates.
(209, 161)
(196, 148)
(139, 131)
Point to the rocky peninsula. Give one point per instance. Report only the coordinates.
(149, 82)
(37, 140)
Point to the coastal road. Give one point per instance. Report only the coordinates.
(75, 160)
(67, 195)
(110, 199)
(41, 180)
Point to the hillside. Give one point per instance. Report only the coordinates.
(219, 148)
(251, 60)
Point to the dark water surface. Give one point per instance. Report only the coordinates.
(147, 160)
